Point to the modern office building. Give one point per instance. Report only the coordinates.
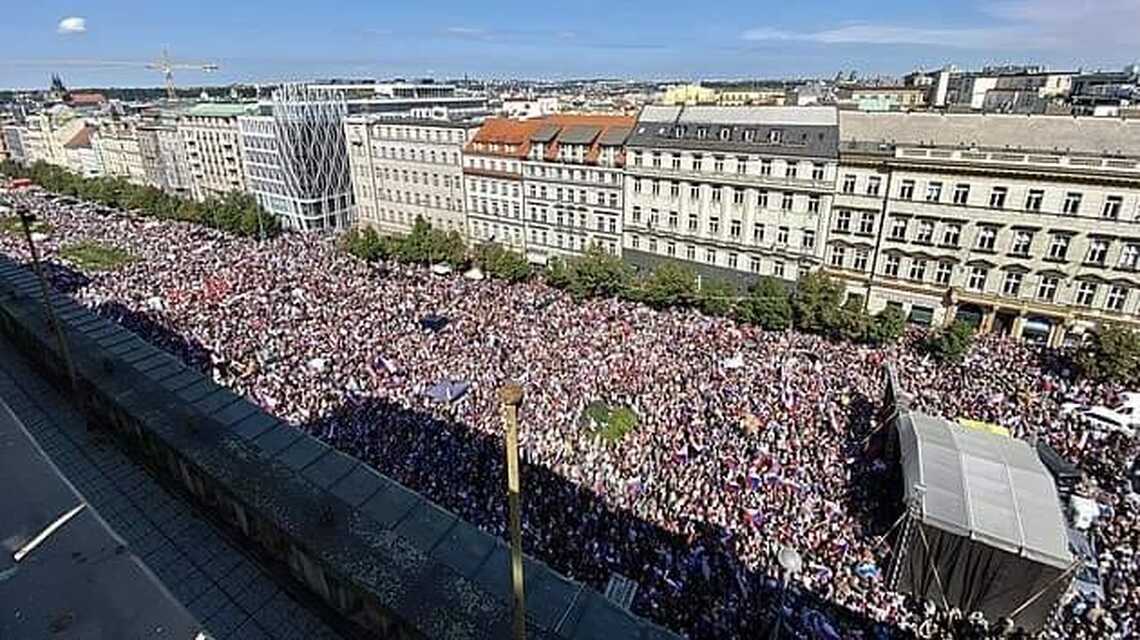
(424, 99)
(212, 141)
(296, 157)
(735, 192)
(405, 168)
(572, 186)
(1025, 225)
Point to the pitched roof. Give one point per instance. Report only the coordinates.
(81, 139)
(220, 110)
(87, 99)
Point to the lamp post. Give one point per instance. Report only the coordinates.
(510, 398)
(791, 563)
(26, 221)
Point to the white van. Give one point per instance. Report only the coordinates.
(1124, 418)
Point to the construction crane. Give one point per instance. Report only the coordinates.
(167, 68)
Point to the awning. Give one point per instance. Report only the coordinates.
(921, 315)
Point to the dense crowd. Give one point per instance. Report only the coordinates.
(747, 440)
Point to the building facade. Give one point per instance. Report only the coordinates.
(163, 153)
(117, 143)
(404, 169)
(492, 180)
(1025, 225)
(212, 141)
(573, 186)
(14, 143)
(296, 158)
(734, 192)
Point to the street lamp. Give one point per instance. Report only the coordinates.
(27, 219)
(510, 398)
(791, 563)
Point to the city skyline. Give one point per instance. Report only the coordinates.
(110, 44)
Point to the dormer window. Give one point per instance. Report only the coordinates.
(702, 133)
(678, 132)
(725, 134)
(749, 135)
(775, 136)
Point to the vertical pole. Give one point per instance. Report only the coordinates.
(26, 220)
(510, 397)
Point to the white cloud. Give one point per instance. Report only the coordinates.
(1090, 26)
(72, 25)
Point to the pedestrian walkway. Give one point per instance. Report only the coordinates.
(220, 586)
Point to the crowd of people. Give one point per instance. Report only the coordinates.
(747, 441)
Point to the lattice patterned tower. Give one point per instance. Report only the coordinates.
(297, 158)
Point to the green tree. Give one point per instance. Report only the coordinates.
(500, 262)
(670, 284)
(1112, 355)
(850, 322)
(768, 305)
(717, 297)
(950, 344)
(816, 302)
(887, 326)
(594, 274)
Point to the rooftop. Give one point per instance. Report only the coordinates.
(220, 110)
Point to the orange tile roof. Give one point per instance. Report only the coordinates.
(505, 131)
(87, 98)
(82, 138)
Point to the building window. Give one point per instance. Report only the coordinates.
(636, 187)
(691, 253)
(1059, 247)
(848, 183)
(838, 254)
(656, 188)
(997, 197)
(762, 200)
(934, 192)
(817, 171)
(1072, 204)
(698, 160)
(738, 196)
(808, 240)
(674, 190)
(718, 161)
(757, 233)
(786, 204)
(653, 245)
(891, 265)
(732, 261)
(782, 235)
(906, 190)
(671, 249)
(1086, 293)
(1112, 206)
(1098, 251)
(1116, 298)
(692, 222)
(813, 203)
(695, 192)
(710, 256)
(791, 170)
(898, 229)
(859, 263)
(676, 162)
(1034, 199)
(765, 167)
(778, 269)
(714, 225)
(754, 264)
(925, 233)
(987, 238)
(673, 219)
(867, 223)
(1047, 288)
(917, 269)
(951, 235)
(775, 136)
(634, 241)
(874, 183)
(716, 194)
(977, 281)
(961, 194)
(1012, 285)
(734, 229)
(843, 221)
(943, 272)
(636, 214)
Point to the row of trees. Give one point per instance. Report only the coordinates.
(816, 304)
(236, 213)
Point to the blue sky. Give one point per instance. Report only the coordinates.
(257, 40)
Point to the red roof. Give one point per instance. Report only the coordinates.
(512, 137)
(82, 138)
(87, 99)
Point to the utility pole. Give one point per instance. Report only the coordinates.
(26, 220)
(510, 398)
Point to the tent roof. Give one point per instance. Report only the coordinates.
(982, 486)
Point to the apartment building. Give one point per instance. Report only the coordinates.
(493, 181)
(735, 192)
(117, 143)
(1025, 225)
(404, 169)
(212, 141)
(14, 143)
(81, 156)
(572, 186)
(163, 152)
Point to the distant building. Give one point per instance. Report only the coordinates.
(296, 157)
(213, 148)
(80, 155)
(1106, 93)
(404, 169)
(688, 94)
(1023, 225)
(492, 180)
(408, 99)
(572, 186)
(14, 143)
(883, 98)
(117, 143)
(163, 152)
(530, 107)
(751, 97)
(734, 192)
